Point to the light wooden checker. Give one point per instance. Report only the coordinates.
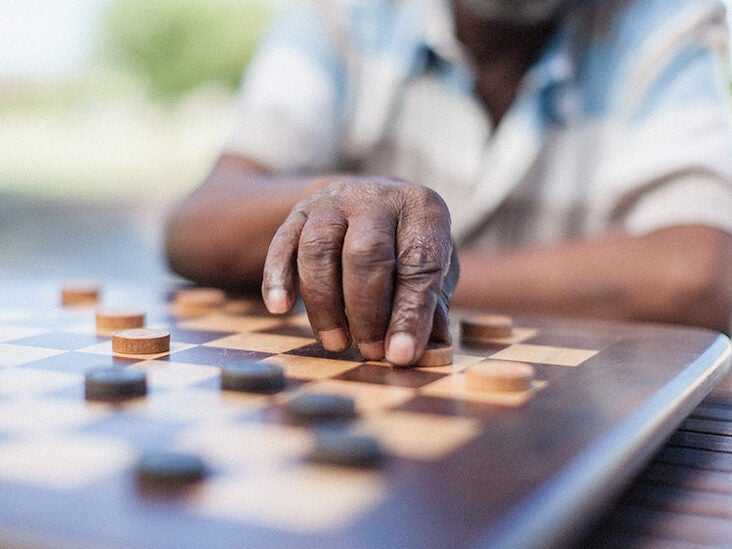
(500, 376)
(443, 437)
(141, 341)
(111, 320)
(197, 301)
(80, 292)
(485, 327)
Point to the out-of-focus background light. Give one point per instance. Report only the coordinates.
(106, 99)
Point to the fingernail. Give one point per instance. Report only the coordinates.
(401, 349)
(334, 340)
(277, 301)
(373, 350)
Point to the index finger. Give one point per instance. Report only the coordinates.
(279, 281)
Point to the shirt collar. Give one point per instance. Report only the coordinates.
(553, 67)
(439, 31)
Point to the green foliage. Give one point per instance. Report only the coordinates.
(176, 46)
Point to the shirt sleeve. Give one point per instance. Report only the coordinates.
(290, 103)
(668, 147)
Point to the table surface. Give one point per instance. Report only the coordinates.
(608, 397)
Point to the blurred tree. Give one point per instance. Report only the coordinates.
(179, 45)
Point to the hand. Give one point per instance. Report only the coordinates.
(375, 264)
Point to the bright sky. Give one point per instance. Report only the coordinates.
(48, 38)
(45, 38)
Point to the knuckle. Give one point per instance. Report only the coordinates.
(419, 260)
(322, 246)
(427, 200)
(322, 239)
(370, 249)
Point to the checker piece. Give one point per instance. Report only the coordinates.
(198, 301)
(114, 384)
(112, 320)
(339, 448)
(485, 327)
(503, 376)
(169, 470)
(436, 354)
(320, 407)
(252, 376)
(80, 292)
(141, 341)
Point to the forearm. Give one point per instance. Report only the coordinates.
(220, 234)
(680, 275)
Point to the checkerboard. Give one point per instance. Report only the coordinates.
(462, 466)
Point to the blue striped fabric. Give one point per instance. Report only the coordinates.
(622, 123)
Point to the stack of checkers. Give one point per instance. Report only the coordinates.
(491, 375)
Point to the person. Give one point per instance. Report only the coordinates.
(574, 153)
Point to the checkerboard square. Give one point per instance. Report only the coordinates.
(10, 333)
(316, 350)
(58, 462)
(17, 355)
(74, 362)
(195, 336)
(545, 354)
(214, 356)
(25, 382)
(264, 343)
(384, 374)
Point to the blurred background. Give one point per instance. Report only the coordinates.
(110, 111)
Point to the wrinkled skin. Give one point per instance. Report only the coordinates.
(375, 265)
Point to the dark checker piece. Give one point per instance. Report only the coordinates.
(114, 384)
(169, 469)
(252, 376)
(318, 407)
(340, 448)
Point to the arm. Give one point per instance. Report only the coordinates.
(372, 258)
(221, 232)
(681, 274)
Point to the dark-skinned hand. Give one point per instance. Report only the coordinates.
(375, 265)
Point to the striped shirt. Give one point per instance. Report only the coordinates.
(621, 125)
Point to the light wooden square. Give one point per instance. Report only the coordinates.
(23, 382)
(307, 367)
(46, 415)
(9, 333)
(426, 437)
(219, 322)
(299, 498)
(194, 404)
(17, 355)
(162, 373)
(369, 398)
(544, 354)
(246, 446)
(265, 343)
(55, 462)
